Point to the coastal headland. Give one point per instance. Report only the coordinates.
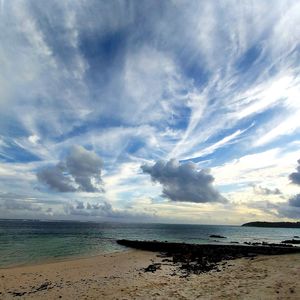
(273, 224)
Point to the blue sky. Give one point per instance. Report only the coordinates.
(203, 93)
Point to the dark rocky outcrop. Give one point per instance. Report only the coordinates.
(273, 224)
(153, 267)
(208, 249)
(291, 242)
(200, 258)
(267, 244)
(217, 236)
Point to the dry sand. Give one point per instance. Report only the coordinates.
(120, 276)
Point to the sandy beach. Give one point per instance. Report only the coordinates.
(121, 276)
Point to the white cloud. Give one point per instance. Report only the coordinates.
(270, 167)
(79, 171)
(34, 139)
(190, 79)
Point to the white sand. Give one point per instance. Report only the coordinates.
(119, 276)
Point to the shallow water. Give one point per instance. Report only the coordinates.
(27, 242)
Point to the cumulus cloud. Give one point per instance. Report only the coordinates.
(55, 178)
(79, 171)
(86, 209)
(84, 166)
(265, 191)
(104, 209)
(183, 182)
(295, 176)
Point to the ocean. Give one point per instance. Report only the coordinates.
(29, 242)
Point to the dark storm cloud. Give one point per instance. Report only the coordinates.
(79, 171)
(288, 211)
(295, 201)
(184, 182)
(265, 191)
(295, 177)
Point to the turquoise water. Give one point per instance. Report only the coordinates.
(27, 242)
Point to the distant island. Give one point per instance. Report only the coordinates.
(273, 224)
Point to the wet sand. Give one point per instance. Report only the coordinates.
(121, 276)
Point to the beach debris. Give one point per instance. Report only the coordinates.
(217, 236)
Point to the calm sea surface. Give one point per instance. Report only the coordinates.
(27, 242)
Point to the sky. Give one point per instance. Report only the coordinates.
(150, 111)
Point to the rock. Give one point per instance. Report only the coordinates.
(153, 267)
(200, 258)
(291, 241)
(217, 236)
(43, 286)
(18, 294)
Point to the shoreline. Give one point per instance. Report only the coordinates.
(152, 246)
(62, 259)
(144, 274)
(122, 275)
(55, 280)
